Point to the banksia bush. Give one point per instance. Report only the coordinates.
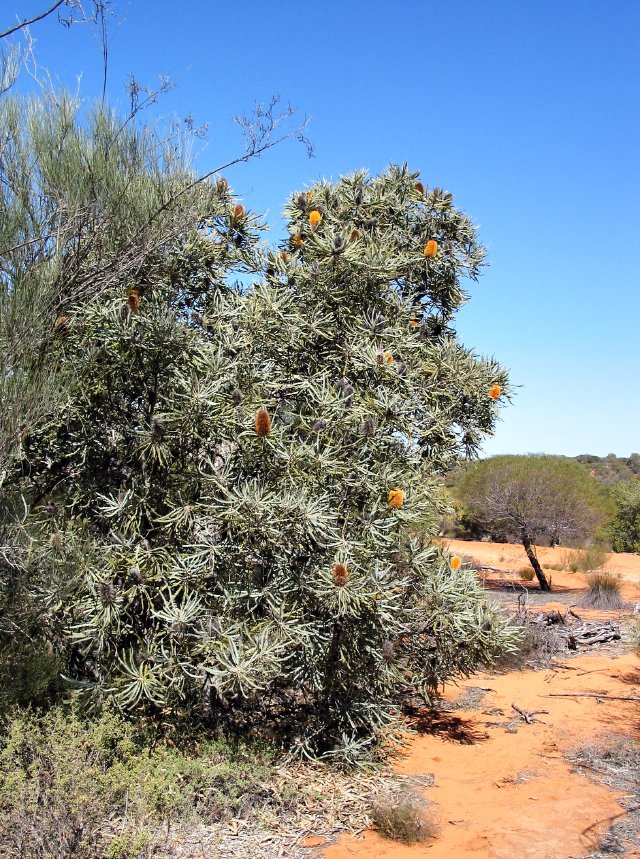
(211, 581)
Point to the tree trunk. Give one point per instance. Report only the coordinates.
(545, 584)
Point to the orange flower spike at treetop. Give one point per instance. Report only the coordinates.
(395, 498)
(315, 218)
(340, 575)
(297, 241)
(455, 562)
(419, 187)
(431, 248)
(495, 391)
(238, 212)
(413, 324)
(263, 423)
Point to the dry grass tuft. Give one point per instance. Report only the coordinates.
(582, 560)
(527, 574)
(404, 817)
(604, 591)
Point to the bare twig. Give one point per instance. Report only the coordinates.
(34, 20)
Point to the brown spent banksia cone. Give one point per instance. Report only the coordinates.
(133, 300)
(340, 575)
(263, 423)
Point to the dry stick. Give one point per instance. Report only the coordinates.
(588, 695)
(593, 671)
(528, 715)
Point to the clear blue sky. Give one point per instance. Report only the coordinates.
(528, 112)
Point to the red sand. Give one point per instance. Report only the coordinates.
(513, 796)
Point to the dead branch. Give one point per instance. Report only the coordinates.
(590, 695)
(34, 20)
(528, 715)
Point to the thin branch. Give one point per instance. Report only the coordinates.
(590, 695)
(37, 18)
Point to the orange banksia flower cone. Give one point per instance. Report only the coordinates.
(340, 575)
(495, 391)
(297, 241)
(263, 422)
(315, 218)
(431, 248)
(388, 357)
(238, 212)
(395, 498)
(455, 562)
(419, 187)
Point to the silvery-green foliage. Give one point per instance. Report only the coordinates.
(211, 578)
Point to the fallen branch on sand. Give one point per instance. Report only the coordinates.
(528, 715)
(590, 695)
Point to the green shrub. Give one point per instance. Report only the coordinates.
(64, 779)
(240, 472)
(624, 527)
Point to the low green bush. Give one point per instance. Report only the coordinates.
(65, 780)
